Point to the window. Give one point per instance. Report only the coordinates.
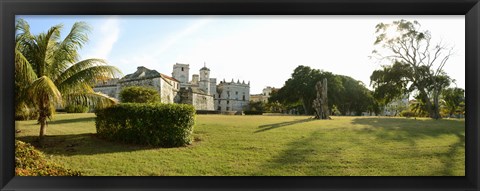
(182, 69)
(228, 102)
(228, 108)
(243, 97)
(236, 93)
(219, 108)
(218, 96)
(219, 101)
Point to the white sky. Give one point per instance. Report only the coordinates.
(261, 49)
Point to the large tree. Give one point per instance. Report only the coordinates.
(417, 64)
(48, 73)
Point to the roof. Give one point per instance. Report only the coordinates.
(141, 72)
(204, 68)
(168, 77)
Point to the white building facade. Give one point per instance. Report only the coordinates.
(232, 96)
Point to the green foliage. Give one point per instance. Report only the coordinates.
(390, 82)
(453, 99)
(257, 106)
(407, 113)
(139, 94)
(72, 108)
(166, 125)
(31, 162)
(253, 112)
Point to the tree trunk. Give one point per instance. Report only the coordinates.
(42, 119)
(43, 128)
(305, 107)
(436, 107)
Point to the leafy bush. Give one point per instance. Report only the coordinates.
(31, 162)
(76, 109)
(253, 112)
(406, 113)
(139, 94)
(167, 125)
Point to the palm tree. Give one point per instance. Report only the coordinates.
(48, 72)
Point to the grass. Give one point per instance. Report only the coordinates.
(266, 146)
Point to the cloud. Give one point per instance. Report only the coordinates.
(106, 34)
(154, 52)
(179, 36)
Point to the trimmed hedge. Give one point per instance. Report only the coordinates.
(31, 162)
(157, 124)
(253, 112)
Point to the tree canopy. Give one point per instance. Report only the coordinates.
(417, 64)
(139, 94)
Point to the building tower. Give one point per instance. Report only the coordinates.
(204, 83)
(180, 73)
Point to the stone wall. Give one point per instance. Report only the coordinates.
(199, 101)
(110, 90)
(202, 102)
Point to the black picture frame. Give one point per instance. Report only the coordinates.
(10, 8)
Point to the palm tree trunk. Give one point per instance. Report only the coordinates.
(43, 128)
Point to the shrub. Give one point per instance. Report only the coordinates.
(31, 162)
(406, 113)
(166, 125)
(76, 109)
(139, 94)
(253, 112)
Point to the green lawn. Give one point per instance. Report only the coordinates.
(266, 145)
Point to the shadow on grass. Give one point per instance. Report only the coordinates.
(80, 144)
(447, 157)
(282, 124)
(301, 157)
(411, 130)
(76, 120)
(317, 155)
(399, 129)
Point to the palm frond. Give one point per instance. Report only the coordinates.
(77, 67)
(67, 49)
(95, 99)
(44, 48)
(22, 30)
(44, 93)
(23, 68)
(87, 71)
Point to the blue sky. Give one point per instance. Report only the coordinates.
(261, 49)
